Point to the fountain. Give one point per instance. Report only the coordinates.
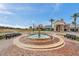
(39, 40)
(38, 35)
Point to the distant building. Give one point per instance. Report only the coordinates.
(72, 27)
(47, 26)
(60, 25)
(36, 27)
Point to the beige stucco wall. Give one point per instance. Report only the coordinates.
(62, 26)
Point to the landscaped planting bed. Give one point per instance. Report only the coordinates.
(73, 37)
(8, 35)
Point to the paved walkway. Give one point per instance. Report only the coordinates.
(70, 48)
(4, 44)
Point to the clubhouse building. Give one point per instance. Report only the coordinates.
(59, 26)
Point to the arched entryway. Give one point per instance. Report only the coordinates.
(59, 28)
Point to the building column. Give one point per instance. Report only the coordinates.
(54, 27)
(62, 28)
(68, 29)
(78, 29)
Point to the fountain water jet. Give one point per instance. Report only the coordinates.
(39, 35)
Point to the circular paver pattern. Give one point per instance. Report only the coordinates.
(56, 45)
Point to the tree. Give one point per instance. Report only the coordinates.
(75, 18)
(51, 20)
(73, 22)
(30, 27)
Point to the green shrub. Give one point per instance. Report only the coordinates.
(73, 37)
(77, 38)
(1, 37)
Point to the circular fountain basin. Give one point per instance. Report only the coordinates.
(36, 39)
(36, 36)
(36, 43)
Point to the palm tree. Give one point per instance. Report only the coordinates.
(73, 22)
(75, 18)
(51, 20)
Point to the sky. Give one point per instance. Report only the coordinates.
(23, 15)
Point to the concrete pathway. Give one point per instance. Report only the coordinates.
(71, 48)
(4, 44)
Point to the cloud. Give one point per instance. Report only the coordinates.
(57, 7)
(76, 11)
(4, 10)
(14, 26)
(24, 8)
(31, 8)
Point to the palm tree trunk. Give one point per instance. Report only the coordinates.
(75, 23)
(51, 26)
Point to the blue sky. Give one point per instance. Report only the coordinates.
(25, 14)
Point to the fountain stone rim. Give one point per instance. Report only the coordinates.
(38, 37)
